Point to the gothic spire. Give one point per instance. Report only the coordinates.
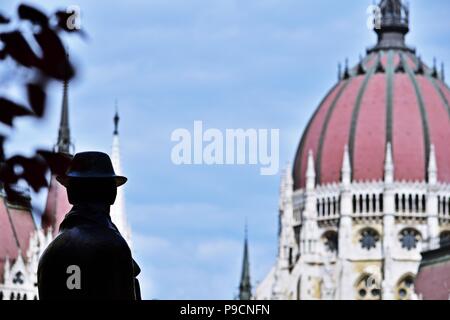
(393, 27)
(118, 214)
(245, 286)
(116, 120)
(64, 142)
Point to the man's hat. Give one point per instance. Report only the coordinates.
(92, 165)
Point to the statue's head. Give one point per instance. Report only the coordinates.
(90, 178)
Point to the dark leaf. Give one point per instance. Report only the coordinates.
(9, 110)
(36, 98)
(55, 62)
(58, 162)
(3, 54)
(33, 15)
(15, 196)
(17, 47)
(3, 19)
(33, 171)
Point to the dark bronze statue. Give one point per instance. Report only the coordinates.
(89, 259)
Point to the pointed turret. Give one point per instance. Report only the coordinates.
(64, 143)
(118, 214)
(245, 286)
(339, 71)
(58, 205)
(310, 172)
(388, 165)
(432, 166)
(346, 70)
(346, 170)
(442, 72)
(434, 71)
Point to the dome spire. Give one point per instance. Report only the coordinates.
(442, 72)
(118, 212)
(116, 120)
(394, 26)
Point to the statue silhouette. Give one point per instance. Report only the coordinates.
(89, 259)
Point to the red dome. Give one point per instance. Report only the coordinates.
(390, 96)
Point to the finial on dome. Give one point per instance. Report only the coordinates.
(346, 70)
(346, 170)
(388, 165)
(434, 72)
(442, 72)
(339, 71)
(432, 166)
(420, 67)
(360, 69)
(310, 172)
(393, 27)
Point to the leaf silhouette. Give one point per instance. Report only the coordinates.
(9, 110)
(36, 98)
(33, 15)
(17, 47)
(3, 19)
(33, 171)
(55, 62)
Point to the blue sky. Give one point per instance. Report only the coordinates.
(231, 64)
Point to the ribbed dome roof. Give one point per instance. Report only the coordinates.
(390, 96)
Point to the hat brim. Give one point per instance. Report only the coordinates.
(64, 180)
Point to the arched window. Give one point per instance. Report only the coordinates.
(374, 203)
(403, 203)
(444, 238)
(381, 203)
(423, 203)
(409, 238)
(25, 296)
(354, 203)
(299, 288)
(368, 288)
(369, 238)
(328, 206)
(397, 205)
(410, 203)
(439, 204)
(416, 203)
(1, 295)
(11, 296)
(405, 288)
(330, 239)
(367, 203)
(361, 205)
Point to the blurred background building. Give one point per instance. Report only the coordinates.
(22, 240)
(370, 186)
